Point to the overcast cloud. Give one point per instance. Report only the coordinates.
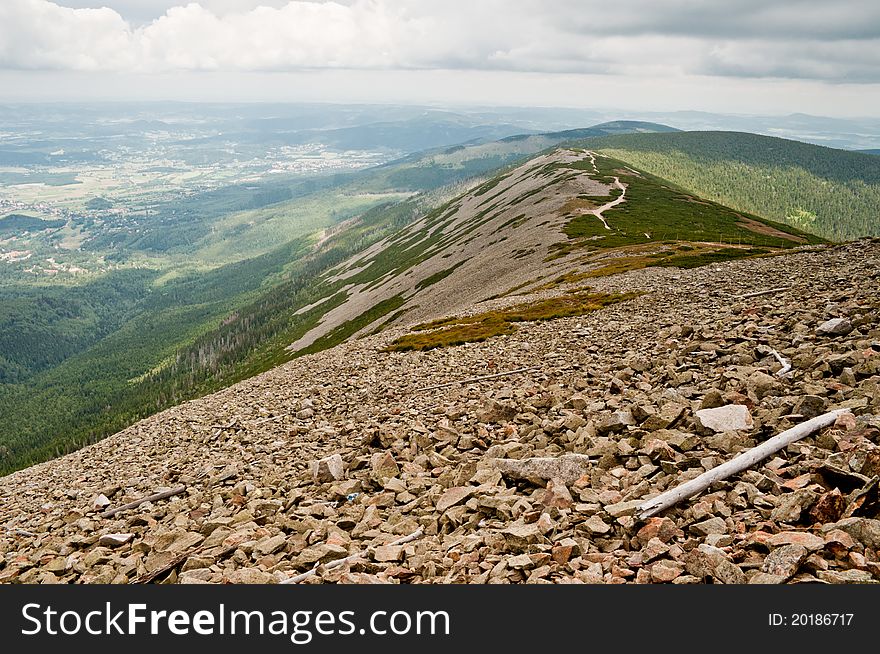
(817, 42)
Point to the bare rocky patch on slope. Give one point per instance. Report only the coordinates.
(527, 478)
(480, 244)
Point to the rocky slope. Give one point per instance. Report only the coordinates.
(525, 478)
(515, 232)
(480, 244)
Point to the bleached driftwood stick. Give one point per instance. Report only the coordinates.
(18, 532)
(785, 363)
(155, 497)
(351, 557)
(476, 379)
(759, 293)
(741, 462)
(149, 577)
(262, 421)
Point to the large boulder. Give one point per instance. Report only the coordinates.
(731, 417)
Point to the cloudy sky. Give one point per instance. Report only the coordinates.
(747, 56)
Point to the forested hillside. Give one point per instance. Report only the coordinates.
(139, 349)
(833, 193)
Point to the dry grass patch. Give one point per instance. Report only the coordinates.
(577, 205)
(457, 334)
(479, 327)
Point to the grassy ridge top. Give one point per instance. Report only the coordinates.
(656, 210)
(829, 192)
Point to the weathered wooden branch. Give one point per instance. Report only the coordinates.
(148, 577)
(177, 490)
(262, 421)
(18, 532)
(741, 462)
(759, 293)
(785, 363)
(418, 533)
(168, 567)
(477, 379)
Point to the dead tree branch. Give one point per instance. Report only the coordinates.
(741, 462)
(779, 289)
(418, 533)
(155, 497)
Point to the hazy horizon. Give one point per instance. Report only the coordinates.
(742, 58)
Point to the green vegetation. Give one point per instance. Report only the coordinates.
(16, 222)
(225, 280)
(155, 346)
(480, 327)
(437, 276)
(456, 334)
(701, 256)
(655, 210)
(42, 326)
(352, 327)
(706, 258)
(774, 178)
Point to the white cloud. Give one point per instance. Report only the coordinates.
(793, 38)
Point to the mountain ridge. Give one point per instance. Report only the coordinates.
(286, 294)
(617, 390)
(834, 193)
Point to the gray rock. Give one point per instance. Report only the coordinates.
(388, 553)
(712, 400)
(766, 578)
(330, 468)
(785, 561)
(708, 561)
(666, 571)
(271, 545)
(246, 576)
(713, 525)
(732, 417)
(520, 536)
(568, 467)
(666, 418)
(810, 406)
(557, 495)
(496, 412)
(810, 541)
(617, 421)
(114, 540)
(384, 466)
(792, 505)
(198, 576)
(864, 530)
(763, 384)
(621, 509)
(596, 526)
(847, 577)
(453, 496)
(835, 327)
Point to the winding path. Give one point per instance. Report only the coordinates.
(608, 205)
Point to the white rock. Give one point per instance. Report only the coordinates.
(114, 540)
(330, 468)
(732, 417)
(835, 327)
